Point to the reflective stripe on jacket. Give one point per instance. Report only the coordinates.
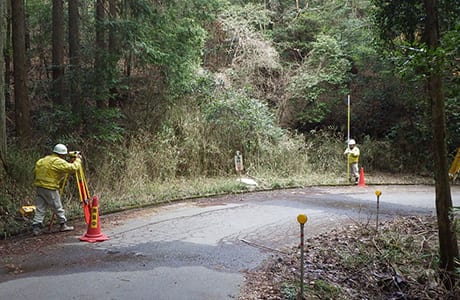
(50, 171)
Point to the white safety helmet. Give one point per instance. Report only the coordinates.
(351, 142)
(60, 149)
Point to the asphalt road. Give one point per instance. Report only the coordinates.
(199, 249)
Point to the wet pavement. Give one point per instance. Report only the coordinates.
(198, 249)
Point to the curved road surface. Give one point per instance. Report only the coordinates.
(199, 249)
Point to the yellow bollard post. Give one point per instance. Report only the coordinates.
(302, 219)
(377, 193)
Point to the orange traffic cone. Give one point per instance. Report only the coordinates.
(362, 181)
(93, 233)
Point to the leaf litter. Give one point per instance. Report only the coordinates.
(357, 262)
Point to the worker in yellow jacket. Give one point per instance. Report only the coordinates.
(50, 172)
(352, 152)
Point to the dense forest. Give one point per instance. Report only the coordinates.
(160, 92)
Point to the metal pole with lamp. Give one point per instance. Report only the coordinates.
(302, 219)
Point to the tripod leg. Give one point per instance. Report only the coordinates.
(50, 225)
(84, 193)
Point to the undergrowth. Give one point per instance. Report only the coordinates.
(179, 162)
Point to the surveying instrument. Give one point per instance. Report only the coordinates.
(27, 211)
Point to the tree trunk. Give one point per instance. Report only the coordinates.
(125, 15)
(112, 32)
(58, 52)
(7, 50)
(3, 23)
(113, 51)
(99, 64)
(74, 57)
(448, 246)
(100, 28)
(22, 103)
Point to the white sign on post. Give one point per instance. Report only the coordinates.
(238, 162)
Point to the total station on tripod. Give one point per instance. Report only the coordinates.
(74, 154)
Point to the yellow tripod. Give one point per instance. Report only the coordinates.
(83, 191)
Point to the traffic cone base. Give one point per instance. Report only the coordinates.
(362, 181)
(93, 233)
(94, 238)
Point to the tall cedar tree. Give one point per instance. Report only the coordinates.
(113, 46)
(74, 56)
(2, 86)
(58, 52)
(99, 64)
(21, 96)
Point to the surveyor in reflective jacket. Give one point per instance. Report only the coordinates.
(352, 153)
(50, 172)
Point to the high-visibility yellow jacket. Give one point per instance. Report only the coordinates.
(455, 167)
(353, 155)
(51, 170)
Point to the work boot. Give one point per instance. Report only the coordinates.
(65, 227)
(36, 229)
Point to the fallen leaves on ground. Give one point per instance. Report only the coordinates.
(357, 262)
